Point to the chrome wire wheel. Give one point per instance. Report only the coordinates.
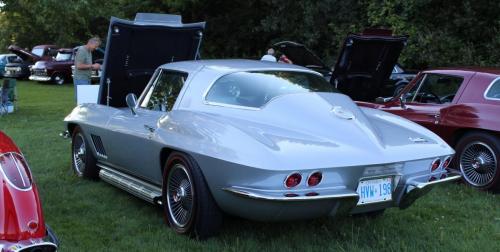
(180, 194)
(79, 151)
(478, 164)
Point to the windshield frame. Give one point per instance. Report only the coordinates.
(219, 104)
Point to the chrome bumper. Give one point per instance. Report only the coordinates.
(345, 200)
(49, 244)
(322, 194)
(417, 188)
(39, 78)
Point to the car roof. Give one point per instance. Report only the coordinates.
(232, 65)
(470, 70)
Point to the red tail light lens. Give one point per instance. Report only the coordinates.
(446, 162)
(293, 180)
(435, 164)
(314, 179)
(15, 170)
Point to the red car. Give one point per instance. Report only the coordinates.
(22, 227)
(462, 106)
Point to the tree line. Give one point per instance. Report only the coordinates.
(442, 33)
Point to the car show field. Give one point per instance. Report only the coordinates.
(95, 216)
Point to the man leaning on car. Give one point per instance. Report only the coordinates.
(83, 63)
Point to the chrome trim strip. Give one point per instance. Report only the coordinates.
(488, 89)
(420, 185)
(247, 194)
(17, 166)
(39, 78)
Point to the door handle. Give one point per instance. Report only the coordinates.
(149, 128)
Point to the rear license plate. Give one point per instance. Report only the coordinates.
(374, 190)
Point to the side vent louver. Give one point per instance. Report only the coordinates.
(99, 148)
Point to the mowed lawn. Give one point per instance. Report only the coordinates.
(95, 216)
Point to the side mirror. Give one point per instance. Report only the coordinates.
(402, 102)
(131, 100)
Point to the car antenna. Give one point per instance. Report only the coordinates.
(108, 98)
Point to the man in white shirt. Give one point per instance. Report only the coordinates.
(269, 56)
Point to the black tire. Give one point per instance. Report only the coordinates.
(372, 214)
(185, 191)
(58, 79)
(478, 157)
(82, 159)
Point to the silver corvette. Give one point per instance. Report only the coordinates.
(260, 140)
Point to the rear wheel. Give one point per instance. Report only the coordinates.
(59, 79)
(188, 204)
(478, 156)
(83, 161)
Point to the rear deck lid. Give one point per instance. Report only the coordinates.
(136, 48)
(365, 63)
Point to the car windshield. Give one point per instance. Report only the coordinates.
(37, 51)
(63, 56)
(255, 89)
(13, 59)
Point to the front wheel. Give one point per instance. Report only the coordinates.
(83, 161)
(59, 79)
(187, 202)
(478, 155)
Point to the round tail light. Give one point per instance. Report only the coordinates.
(314, 179)
(293, 180)
(435, 164)
(446, 162)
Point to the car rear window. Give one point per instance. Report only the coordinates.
(254, 89)
(493, 91)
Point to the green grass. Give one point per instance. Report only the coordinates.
(95, 216)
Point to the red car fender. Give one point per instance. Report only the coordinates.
(21, 216)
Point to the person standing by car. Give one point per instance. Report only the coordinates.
(83, 63)
(269, 56)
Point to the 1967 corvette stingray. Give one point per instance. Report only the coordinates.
(264, 141)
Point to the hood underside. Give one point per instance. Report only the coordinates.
(301, 55)
(23, 54)
(365, 63)
(136, 48)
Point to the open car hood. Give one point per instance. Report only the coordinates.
(301, 55)
(365, 63)
(136, 48)
(23, 54)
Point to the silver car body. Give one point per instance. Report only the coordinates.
(245, 154)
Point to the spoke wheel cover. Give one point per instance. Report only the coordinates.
(478, 164)
(180, 195)
(79, 152)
